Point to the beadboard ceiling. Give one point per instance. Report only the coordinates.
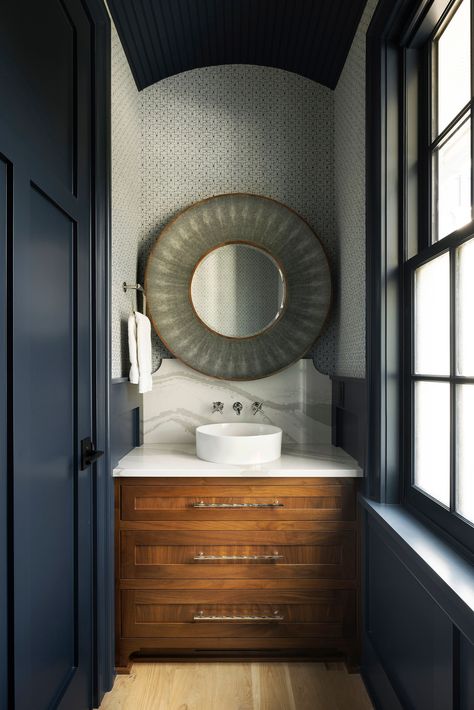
(166, 37)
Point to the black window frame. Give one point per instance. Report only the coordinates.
(399, 216)
(421, 246)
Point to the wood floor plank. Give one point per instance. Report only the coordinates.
(328, 687)
(361, 700)
(271, 688)
(147, 688)
(310, 687)
(211, 686)
(237, 686)
(190, 687)
(289, 686)
(117, 698)
(231, 686)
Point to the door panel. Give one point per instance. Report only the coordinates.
(45, 457)
(45, 80)
(42, 51)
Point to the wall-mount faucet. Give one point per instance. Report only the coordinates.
(257, 407)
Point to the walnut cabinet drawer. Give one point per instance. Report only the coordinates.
(250, 555)
(331, 500)
(248, 613)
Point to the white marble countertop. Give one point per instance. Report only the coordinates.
(180, 460)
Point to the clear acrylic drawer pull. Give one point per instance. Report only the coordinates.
(276, 616)
(203, 504)
(202, 556)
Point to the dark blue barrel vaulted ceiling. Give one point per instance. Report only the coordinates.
(166, 37)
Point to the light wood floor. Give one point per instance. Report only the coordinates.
(237, 686)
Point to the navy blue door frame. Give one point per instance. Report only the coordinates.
(102, 523)
(5, 444)
(104, 586)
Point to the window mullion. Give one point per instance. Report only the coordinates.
(453, 372)
(408, 369)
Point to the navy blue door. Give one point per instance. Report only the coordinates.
(45, 161)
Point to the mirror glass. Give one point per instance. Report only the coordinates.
(238, 290)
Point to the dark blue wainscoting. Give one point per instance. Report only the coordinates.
(414, 639)
(349, 416)
(414, 656)
(465, 679)
(124, 419)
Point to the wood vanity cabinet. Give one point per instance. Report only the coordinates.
(236, 567)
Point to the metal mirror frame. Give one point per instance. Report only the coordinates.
(216, 221)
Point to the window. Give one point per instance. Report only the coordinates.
(438, 277)
(451, 95)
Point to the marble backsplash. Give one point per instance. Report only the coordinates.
(297, 399)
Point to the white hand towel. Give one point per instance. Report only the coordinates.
(144, 353)
(132, 349)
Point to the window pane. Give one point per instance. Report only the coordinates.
(465, 309)
(465, 452)
(432, 317)
(432, 439)
(454, 66)
(452, 182)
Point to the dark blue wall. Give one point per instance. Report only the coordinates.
(414, 657)
(124, 419)
(349, 416)
(465, 677)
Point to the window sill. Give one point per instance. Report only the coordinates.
(442, 571)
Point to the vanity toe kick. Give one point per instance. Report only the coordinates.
(252, 568)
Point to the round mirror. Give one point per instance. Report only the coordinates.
(238, 286)
(238, 290)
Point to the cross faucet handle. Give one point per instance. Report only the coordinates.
(257, 407)
(217, 407)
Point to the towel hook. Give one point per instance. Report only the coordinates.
(136, 287)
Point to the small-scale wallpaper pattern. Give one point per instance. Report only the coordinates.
(349, 171)
(126, 170)
(239, 128)
(243, 128)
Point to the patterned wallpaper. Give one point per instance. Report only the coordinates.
(349, 171)
(126, 169)
(239, 128)
(242, 128)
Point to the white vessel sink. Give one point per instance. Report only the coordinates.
(238, 443)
